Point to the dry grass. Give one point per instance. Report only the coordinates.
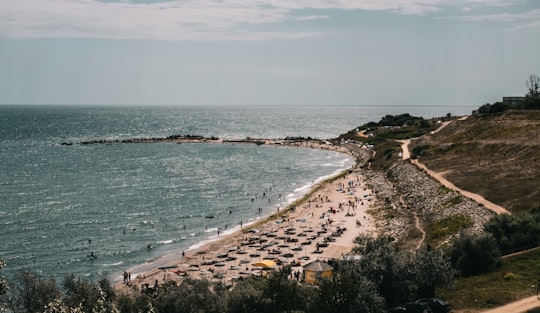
(495, 156)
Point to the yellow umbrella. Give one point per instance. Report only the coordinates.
(265, 263)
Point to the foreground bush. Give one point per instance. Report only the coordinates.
(475, 254)
(383, 276)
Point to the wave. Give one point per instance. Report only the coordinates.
(166, 242)
(114, 264)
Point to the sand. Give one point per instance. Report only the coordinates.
(334, 210)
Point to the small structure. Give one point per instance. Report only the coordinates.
(513, 100)
(316, 270)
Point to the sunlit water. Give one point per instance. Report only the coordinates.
(61, 204)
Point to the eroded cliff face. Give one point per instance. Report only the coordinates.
(409, 201)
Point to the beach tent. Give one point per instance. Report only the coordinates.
(265, 264)
(316, 270)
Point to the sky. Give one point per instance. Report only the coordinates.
(267, 52)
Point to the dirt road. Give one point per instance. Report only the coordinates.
(520, 306)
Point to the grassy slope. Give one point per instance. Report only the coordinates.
(514, 280)
(497, 156)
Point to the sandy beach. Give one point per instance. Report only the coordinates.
(321, 226)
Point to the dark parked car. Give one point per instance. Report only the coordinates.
(411, 307)
(436, 305)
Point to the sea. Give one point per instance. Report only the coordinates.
(96, 210)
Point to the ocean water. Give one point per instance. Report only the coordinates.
(60, 204)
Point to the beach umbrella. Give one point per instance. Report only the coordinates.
(184, 265)
(205, 273)
(265, 264)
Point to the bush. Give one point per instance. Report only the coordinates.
(450, 225)
(514, 233)
(511, 276)
(32, 293)
(474, 254)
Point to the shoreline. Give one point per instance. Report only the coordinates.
(335, 204)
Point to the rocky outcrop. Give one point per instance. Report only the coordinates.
(405, 189)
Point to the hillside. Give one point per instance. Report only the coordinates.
(494, 155)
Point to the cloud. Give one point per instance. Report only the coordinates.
(195, 20)
(522, 20)
(312, 17)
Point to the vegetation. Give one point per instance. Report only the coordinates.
(474, 254)
(531, 100)
(415, 275)
(533, 83)
(493, 155)
(384, 276)
(383, 135)
(442, 229)
(367, 284)
(515, 279)
(515, 232)
(364, 285)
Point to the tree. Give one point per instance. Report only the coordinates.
(280, 294)
(474, 254)
(414, 275)
(515, 232)
(386, 266)
(193, 296)
(533, 84)
(345, 293)
(79, 292)
(246, 296)
(3, 285)
(88, 296)
(33, 293)
(432, 269)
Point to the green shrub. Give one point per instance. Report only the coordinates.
(447, 226)
(474, 254)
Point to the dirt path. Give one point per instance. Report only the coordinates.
(405, 153)
(444, 124)
(520, 306)
(476, 197)
(417, 225)
(439, 177)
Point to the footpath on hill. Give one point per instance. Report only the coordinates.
(520, 306)
(439, 177)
